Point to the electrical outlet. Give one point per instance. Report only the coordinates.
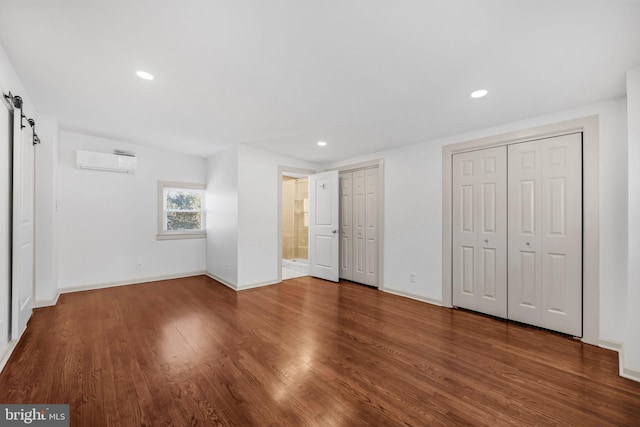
(412, 277)
(139, 266)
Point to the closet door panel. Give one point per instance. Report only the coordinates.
(561, 223)
(524, 275)
(545, 233)
(359, 236)
(479, 235)
(371, 226)
(464, 230)
(346, 226)
(492, 231)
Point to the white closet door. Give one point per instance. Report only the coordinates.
(359, 237)
(480, 231)
(545, 233)
(371, 226)
(346, 226)
(23, 226)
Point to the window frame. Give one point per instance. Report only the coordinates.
(164, 234)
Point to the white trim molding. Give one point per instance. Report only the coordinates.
(243, 287)
(591, 216)
(628, 373)
(11, 345)
(47, 302)
(130, 282)
(412, 296)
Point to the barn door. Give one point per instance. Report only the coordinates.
(23, 225)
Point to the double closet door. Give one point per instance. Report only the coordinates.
(359, 226)
(517, 232)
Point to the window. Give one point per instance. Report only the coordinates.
(180, 211)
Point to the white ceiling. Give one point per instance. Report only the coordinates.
(363, 75)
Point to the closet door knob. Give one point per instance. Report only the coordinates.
(528, 244)
(486, 240)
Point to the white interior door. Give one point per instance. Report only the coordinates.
(480, 231)
(545, 233)
(23, 226)
(346, 226)
(5, 225)
(324, 245)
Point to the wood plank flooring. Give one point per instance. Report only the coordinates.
(304, 352)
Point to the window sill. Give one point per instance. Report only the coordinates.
(180, 236)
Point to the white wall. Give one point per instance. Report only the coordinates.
(222, 215)
(242, 215)
(258, 239)
(46, 218)
(413, 210)
(108, 221)
(632, 343)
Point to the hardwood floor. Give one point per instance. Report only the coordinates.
(305, 352)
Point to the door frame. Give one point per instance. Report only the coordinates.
(589, 127)
(379, 163)
(281, 170)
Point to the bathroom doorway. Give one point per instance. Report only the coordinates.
(295, 225)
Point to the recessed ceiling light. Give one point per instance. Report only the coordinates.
(479, 93)
(322, 143)
(144, 75)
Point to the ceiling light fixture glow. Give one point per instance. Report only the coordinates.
(322, 143)
(144, 75)
(479, 93)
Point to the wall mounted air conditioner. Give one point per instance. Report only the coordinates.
(106, 162)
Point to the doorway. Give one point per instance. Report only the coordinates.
(295, 225)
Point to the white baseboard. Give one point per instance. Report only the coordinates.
(610, 345)
(258, 285)
(223, 281)
(628, 373)
(9, 350)
(129, 282)
(624, 372)
(411, 296)
(7, 353)
(243, 287)
(47, 302)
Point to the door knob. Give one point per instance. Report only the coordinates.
(486, 240)
(334, 231)
(528, 244)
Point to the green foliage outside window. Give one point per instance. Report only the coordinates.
(184, 210)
